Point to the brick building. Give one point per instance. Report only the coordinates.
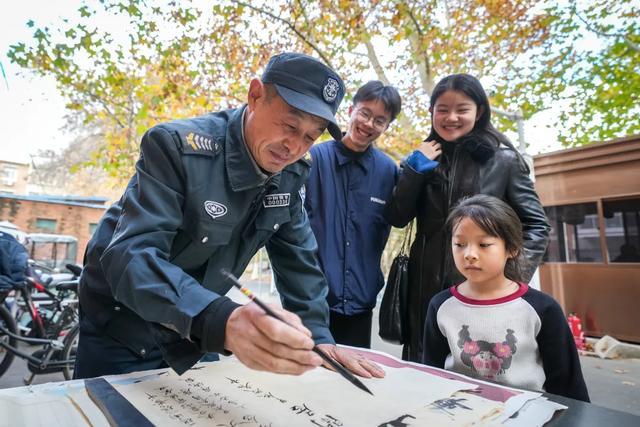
(72, 215)
(13, 177)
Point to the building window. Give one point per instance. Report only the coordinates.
(92, 228)
(9, 175)
(575, 235)
(46, 225)
(622, 223)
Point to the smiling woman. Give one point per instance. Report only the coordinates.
(462, 156)
(454, 115)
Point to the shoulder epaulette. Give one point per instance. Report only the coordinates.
(307, 159)
(198, 143)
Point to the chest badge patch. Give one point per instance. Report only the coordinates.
(215, 209)
(276, 200)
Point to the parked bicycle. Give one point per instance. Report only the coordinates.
(42, 301)
(58, 333)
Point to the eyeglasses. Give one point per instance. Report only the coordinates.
(379, 123)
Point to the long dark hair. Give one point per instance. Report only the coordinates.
(483, 132)
(497, 219)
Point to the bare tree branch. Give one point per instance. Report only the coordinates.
(373, 58)
(292, 27)
(304, 13)
(107, 109)
(423, 66)
(598, 32)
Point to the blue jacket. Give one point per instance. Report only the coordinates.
(196, 204)
(13, 262)
(345, 198)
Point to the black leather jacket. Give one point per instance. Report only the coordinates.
(428, 197)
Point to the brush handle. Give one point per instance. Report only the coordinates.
(332, 362)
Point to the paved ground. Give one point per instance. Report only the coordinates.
(614, 384)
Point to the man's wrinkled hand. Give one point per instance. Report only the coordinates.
(353, 361)
(265, 343)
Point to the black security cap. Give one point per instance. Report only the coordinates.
(308, 85)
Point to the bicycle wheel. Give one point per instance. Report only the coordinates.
(69, 351)
(7, 322)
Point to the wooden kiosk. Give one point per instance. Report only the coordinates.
(592, 267)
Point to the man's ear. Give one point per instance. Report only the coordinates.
(430, 110)
(480, 112)
(350, 109)
(256, 91)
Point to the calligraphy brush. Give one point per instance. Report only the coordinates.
(333, 363)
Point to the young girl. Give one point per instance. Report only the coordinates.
(492, 326)
(464, 155)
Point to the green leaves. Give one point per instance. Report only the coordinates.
(85, 12)
(597, 66)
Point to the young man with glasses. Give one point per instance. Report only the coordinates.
(349, 184)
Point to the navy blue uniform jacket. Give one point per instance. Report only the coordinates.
(345, 200)
(13, 262)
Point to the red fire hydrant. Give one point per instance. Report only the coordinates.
(575, 324)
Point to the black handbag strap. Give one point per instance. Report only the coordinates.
(406, 240)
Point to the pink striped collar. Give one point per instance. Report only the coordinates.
(523, 288)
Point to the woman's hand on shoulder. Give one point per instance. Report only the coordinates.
(431, 149)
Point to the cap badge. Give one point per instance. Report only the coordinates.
(330, 90)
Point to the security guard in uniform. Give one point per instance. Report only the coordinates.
(207, 194)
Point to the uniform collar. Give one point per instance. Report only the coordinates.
(242, 169)
(344, 155)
